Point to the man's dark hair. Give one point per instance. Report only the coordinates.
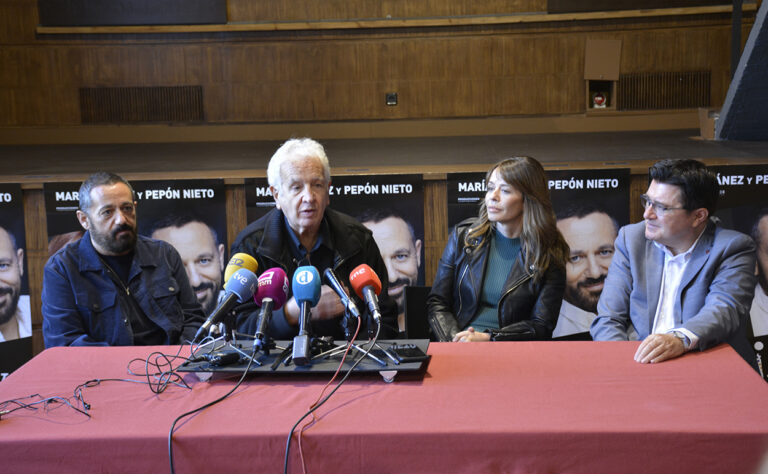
(180, 220)
(698, 185)
(376, 215)
(582, 210)
(756, 234)
(101, 178)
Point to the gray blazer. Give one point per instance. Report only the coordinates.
(713, 300)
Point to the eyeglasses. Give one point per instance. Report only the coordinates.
(658, 208)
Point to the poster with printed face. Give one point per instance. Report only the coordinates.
(391, 206)
(61, 203)
(743, 206)
(590, 206)
(15, 316)
(188, 214)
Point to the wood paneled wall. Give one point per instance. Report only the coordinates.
(314, 75)
(303, 10)
(36, 235)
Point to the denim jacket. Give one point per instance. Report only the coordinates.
(82, 305)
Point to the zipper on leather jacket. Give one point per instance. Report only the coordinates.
(461, 277)
(512, 288)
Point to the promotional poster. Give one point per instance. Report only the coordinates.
(743, 206)
(188, 214)
(391, 206)
(590, 206)
(15, 316)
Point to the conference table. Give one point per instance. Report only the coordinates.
(480, 407)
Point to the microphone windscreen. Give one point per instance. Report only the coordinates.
(238, 261)
(362, 276)
(243, 283)
(306, 285)
(273, 284)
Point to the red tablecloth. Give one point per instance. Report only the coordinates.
(495, 407)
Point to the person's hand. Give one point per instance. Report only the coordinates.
(328, 307)
(470, 335)
(659, 347)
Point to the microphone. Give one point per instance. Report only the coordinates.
(349, 305)
(367, 286)
(240, 287)
(238, 261)
(306, 292)
(271, 296)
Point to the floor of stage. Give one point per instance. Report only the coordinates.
(385, 155)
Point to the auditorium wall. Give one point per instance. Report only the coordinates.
(443, 59)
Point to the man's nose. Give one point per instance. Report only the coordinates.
(648, 213)
(307, 195)
(593, 267)
(194, 277)
(391, 271)
(120, 218)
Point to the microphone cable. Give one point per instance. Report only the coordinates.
(158, 381)
(327, 397)
(320, 396)
(192, 412)
(9, 406)
(163, 373)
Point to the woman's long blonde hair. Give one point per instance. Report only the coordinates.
(542, 244)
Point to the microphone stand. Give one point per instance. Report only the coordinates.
(348, 318)
(372, 334)
(301, 343)
(262, 341)
(228, 333)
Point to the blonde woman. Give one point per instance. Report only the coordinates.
(502, 274)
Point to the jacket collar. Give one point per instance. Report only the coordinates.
(654, 266)
(272, 243)
(699, 256)
(89, 260)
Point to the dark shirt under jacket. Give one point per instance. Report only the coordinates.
(144, 329)
(85, 303)
(343, 244)
(528, 308)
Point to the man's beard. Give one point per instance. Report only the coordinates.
(7, 312)
(209, 306)
(582, 298)
(110, 242)
(400, 300)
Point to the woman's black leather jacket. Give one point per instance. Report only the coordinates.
(528, 308)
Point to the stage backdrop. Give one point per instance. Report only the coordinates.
(598, 198)
(15, 319)
(606, 189)
(743, 206)
(400, 195)
(202, 198)
(167, 206)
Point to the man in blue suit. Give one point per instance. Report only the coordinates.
(682, 280)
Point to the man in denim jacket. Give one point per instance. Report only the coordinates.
(114, 287)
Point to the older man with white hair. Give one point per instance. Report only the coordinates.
(301, 231)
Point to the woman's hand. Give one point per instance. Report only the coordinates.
(471, 336)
